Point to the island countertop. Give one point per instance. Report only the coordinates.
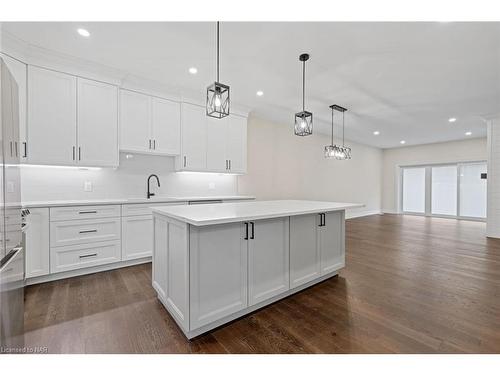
(210, 214)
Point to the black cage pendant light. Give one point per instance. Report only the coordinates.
(333, 151)
(217, 93)
(304, 119)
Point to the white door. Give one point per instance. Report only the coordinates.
(137, 237)
(236, 143)
(51, 117)
(305, 262)
(268, 263)
(19, 72)
(135, 122)
(331, 242)
(97, 123)
(37, 243)
(194, 138)
(216, 140)
(166, 127)
(218, 272)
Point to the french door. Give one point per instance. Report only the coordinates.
(450, 190)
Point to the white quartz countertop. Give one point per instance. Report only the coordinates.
(210, 214)
(131, 200)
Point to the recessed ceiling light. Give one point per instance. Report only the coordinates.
(402, 142)
(193, 70)
(260, 93)
(468, 133)
(452, 119)
(83, 32)
(376, 132)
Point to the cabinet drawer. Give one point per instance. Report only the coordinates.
(139, 209)
(73, 257)
(72, 232)
(83, 212)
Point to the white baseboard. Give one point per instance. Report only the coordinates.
(392, 212)
(352, 215)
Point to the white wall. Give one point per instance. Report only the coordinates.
(447, 152)
(493, 202)
(128, 180)
(284, 166)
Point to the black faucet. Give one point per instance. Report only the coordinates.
(157, 180)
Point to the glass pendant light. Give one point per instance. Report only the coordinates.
(338, 152)
(304, 119)
(217, 93)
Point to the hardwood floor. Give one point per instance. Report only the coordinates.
(411, 285)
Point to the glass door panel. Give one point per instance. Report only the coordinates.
(414, 190)
(473, 190)
(444, 190)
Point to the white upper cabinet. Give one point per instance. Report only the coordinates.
(135, 122)
(194, 138)
(51, 134)
(97, 123)
(166, 126)
(19, 72)
(236, 144)
(149, 124)
(216, 140)
(212, 145)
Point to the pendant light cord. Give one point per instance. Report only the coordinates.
(303, 86)
(217, 51)
(343, 129)
(332, 126)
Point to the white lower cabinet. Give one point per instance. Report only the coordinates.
(331, 242)
(268, 259)
(316, 246)
(218, 272)
(305, 256)
(37, 243)
(68, 258)
(137, 237)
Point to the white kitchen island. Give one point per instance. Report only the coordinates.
(214, 263)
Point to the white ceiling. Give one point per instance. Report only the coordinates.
(402, 79)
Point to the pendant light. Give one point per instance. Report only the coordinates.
(333, 151)
(304, 119)
(218, 93)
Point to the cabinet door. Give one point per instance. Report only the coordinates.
(236, 143)
(9, 90)
(51, 117)
(304, 249)
(216, 140)
(37, 243)
(331, 242)
(218, 272)
(97, 123)
(166, 127)
(194, 138)
(19, 72)
(268, 259)
(137, 237)
(135, 122)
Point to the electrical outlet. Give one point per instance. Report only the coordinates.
(211, 185)
(87, 186)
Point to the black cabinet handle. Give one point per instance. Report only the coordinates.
(79, 153)
(154, 144)
(88, 231)
(87, 256)
(253, 230)
(324, 219)
(25, 149)
(246, 231)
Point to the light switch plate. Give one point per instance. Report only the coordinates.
(87, 186)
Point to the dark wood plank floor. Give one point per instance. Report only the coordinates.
(411, 285)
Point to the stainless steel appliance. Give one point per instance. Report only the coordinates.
(11, 244)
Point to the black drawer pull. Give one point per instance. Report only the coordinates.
(246, 231)
(88, 231)
(88, 255)
(87, 212)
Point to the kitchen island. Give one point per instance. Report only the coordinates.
(217, 262)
